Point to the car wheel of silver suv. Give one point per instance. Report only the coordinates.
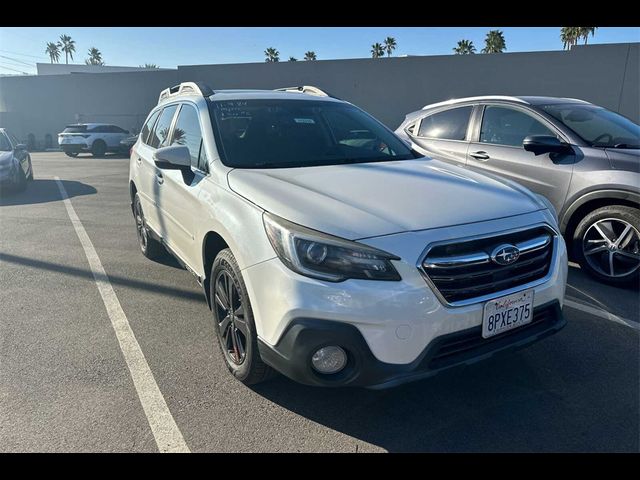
(607, 244)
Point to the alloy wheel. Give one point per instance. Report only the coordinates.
(230, 316)
(611, 247)
(140, 227)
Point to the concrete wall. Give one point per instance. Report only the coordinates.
(388, 88)
(63, 68)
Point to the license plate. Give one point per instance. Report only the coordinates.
(506, 313)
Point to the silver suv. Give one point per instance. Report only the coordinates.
(584, 158)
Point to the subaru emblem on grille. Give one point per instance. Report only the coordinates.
(505, 254)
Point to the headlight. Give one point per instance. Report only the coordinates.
(549, 206)
(319, 255)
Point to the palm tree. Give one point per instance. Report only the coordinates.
(389, 45)
(293, 59)
(310, 55)
(570, 36)
(272, 55)
(68, 46)
(149, 65)
(586, 31)
(465, 47)
(494, 42)
(95, 57)
(377, 50)
(53, 50)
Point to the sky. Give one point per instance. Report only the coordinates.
(168, 47)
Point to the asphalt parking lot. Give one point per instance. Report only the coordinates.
(65, 385)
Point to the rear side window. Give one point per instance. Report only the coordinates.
(448, 125)
(75, 129)
(160, 135)
(187, 132)
(144, 134)
(507, 126)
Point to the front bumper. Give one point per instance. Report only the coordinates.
(292, 354)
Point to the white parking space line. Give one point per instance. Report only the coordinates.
(599, 313)
(165, 431)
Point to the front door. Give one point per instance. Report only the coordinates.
(497, 148)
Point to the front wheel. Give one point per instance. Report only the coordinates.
(149, 246)
(607, 244)
(233, 317)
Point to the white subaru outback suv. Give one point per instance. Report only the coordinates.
(331, 252)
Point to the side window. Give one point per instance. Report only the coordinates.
(203, 163)
(508, 126)
(160, 135)
(146, 129)
(448, 125)
(187, 132)
(98, 129)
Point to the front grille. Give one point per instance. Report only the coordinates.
(464, 271)
(460, 347)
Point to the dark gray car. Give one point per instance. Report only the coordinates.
(583, 158)
(15, 163)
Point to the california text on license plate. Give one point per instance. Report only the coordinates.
(506, 313)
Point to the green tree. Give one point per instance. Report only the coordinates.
(293, 59)
(390, 45)
(53, 50)
(377, 50)
(310, 55)
(95, 57)
(570, 36)
(149, 65)
(465, 47)
(494, 42)
(272, 55)
(68, 46)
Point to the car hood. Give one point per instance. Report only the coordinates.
(624, 159)
(372, 199)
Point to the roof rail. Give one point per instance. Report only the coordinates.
(309, 89)
(471, 99)
(186, 88)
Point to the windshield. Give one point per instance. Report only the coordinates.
(299, 133)
(596, 125)
(5, 146)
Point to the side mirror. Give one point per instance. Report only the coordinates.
(539, 144)
(21, 146)
(175, 157)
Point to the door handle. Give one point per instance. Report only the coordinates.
(481, 155)
(159, 178)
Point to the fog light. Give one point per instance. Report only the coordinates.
(330, 359)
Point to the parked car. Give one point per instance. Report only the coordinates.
(96, 138)
(15, 162)
(330, 251)
(128, 142)
(584, 158)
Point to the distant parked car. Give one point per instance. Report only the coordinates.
(96, 138)
(15, 162)
(127, 143)
(584, 158)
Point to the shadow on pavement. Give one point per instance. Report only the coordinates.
(44, 191)
(114, 279)
(549, 397)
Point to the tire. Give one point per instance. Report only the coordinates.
(149, 246)
(30, 177)
(98, 149)
(243, 362)
(71, 154)
(610, 221)
(21, 180)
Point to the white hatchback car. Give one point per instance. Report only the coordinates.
(96, 138)
(329, 250)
